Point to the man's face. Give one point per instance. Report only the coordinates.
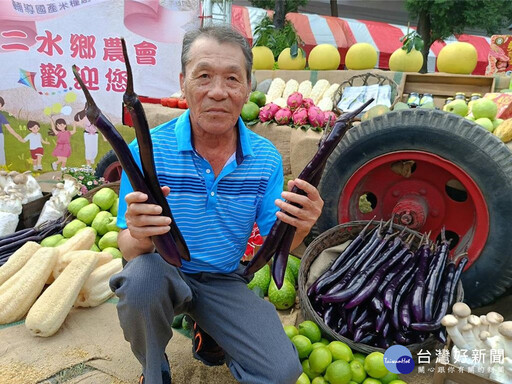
(215, 85)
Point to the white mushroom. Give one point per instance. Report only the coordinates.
(494, 319)
(475, 322)
(462, 312)
(451, 324)
(469, 337)
(505, 329)
(484, 324)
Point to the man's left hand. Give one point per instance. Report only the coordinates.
(311, 204)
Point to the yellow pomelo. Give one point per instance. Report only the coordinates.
(401, 61)
(361, 56)
(457, 57)
(324, 57)
(262, 58)
(286, 61)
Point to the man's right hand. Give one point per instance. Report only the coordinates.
(143, 221)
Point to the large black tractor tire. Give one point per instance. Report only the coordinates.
(480, 154)
(105, 165)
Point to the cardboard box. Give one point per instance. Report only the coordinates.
(500, 55)
(442, 85)
(504, 103)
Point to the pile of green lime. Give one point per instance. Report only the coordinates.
(325, 362)
(263, 284)
(251, 109)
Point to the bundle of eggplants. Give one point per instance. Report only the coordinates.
(171, 246)
(11, 243)
(381, 290)
(280, 238)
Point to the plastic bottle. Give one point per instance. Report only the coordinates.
(414, 99)
(426, 98)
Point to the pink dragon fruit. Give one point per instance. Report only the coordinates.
(300, 116)
(268, 111)
(329, 118)
(308, 103)
(283, 116)
(316, 117)
(294, 101)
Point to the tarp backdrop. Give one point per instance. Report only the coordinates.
(40, 40)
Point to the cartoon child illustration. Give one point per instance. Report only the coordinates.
(63, 148)
(35, 144)
(4, 123)
(90, 137)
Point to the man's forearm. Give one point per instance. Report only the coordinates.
(131, 247)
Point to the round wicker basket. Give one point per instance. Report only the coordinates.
(330, 238)
(114, 186)
(364, 80)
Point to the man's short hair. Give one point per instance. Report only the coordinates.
(2, 102)
(223, 35)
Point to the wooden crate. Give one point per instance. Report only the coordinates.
(442, 86)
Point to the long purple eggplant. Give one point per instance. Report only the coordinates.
(352, 248)
(323, 283)
(418, 294)
(164, 244)
(435, 276)
(398, 280)
(378, 276)
(450, 281)
(400, 296)
(140, 123)
(311, 173)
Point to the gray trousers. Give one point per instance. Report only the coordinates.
(151, 292)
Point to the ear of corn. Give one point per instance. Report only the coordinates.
(504, 131)
(17, 260)
(325, 104)
(96, 289)
(305, 88)
(291, 86)
(331, 91)
(64, 260)
(281, 101)
(21, 290)
(318, 90)
(275, 90)
(81, 241)
(51, 309)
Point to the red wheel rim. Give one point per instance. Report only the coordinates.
(461, 210)
(113, 172)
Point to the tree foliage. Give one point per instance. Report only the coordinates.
(289, 5)
(439, 19)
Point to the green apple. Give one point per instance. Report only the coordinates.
(497, 122)
(112, 225)
(72, 228)
(88, 213)
(484, 108)
(50, 241)
(469, 117)
(109, 239)
(113, 209)
(486, 123)
(116, 253)
(77, 204)
(100, 222)
(104, 198)
(459, 107)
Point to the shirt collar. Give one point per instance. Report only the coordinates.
(184, 137)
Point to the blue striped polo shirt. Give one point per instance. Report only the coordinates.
(215, 215)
